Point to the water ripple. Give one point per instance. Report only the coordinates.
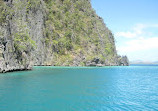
(133, 88)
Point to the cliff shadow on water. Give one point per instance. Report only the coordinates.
(54, 32)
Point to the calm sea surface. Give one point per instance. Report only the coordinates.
(133, 88)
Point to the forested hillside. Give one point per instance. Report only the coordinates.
(54, 32)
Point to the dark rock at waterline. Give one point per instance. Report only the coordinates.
(123, 61)
(34, 33)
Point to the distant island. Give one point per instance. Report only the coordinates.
(54, 33)
(143, 62)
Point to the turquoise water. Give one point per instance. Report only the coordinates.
(133, 88)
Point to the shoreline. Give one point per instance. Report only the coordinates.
(49, 66)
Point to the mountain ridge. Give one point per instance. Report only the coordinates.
(143, 62)
(54, 32)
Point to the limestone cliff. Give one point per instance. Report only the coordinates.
(54, 32)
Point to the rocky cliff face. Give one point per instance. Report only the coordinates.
(123, 61)
(54, 32)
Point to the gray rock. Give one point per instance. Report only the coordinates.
(33, 22)
(123, 61)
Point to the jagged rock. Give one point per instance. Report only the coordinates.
(31, 34)
(94, 62)
(123, 61)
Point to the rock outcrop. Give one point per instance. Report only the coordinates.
(123, 61)
(54, 32)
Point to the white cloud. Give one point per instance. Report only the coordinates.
(153, 25)
(139, 42)
(125, 34)
(138, 28)
(135, 31)
(139, 45)
(141, 49)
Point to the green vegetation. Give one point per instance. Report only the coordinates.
(22, 39)
(5, 12)
(72, 24)
(32, 4)
(71, 29)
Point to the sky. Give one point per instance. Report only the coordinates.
(134, 24)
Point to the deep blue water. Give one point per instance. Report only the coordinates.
(133, 88)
